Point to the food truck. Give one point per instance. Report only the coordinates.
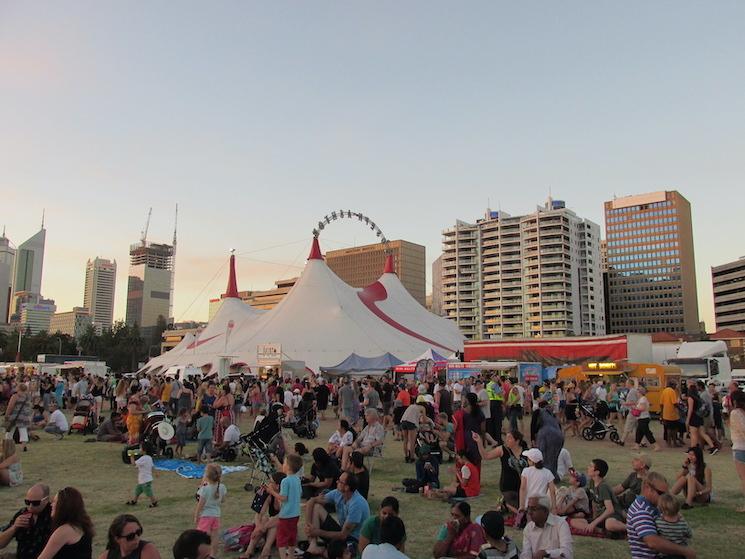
(653, 376)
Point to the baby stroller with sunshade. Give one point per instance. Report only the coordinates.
(306, 422)
(599, 427)
(84, 417)
(155, 436)
(258, 446)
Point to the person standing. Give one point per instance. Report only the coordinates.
(737, 433)
(670, 415)
(644, 417)
(496, 408)
(632, 397)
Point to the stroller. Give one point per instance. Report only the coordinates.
(155, 436)
(260, 444)
(306, 423)
(599, 427)
(84, 418)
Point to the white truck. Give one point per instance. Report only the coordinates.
(707, 361)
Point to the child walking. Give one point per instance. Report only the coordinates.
(144, 465)
(290, 491)
(182, 425)
(670, 524)
(211, 496)
(205, 424)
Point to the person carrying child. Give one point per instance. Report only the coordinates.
(290, 491)
(144, 465)
(670, 524)
(211, 495)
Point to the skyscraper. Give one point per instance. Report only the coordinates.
(7, 261)
(29, 263)
(98, 298)
(651, 264)
(437, 286)
(149, 285)
(524, 276)
(728, 281)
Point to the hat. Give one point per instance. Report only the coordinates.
(533, 454)
(429, 398)
(643, 458)
(493, 524)
(420, 399)
(296, 391)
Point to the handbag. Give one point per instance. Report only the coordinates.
(259, 499)
(636, 412)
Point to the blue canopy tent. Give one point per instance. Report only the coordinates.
(357, 365)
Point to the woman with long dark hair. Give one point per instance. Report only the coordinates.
(125, 540)
(72, 535)
(694, 419)
(473, 422)
(694, 479)
(513, 462)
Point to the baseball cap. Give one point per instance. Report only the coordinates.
(580, 477)
(429, 398)
(533, 454)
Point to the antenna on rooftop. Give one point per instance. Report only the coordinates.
(175, 225)
(43, 212)
(143, 235)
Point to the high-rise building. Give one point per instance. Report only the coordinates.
(729, 295)
(363, 265)
(149, 285)
(73, 323)
(98, 297)
(437, 286)
(265, 300)
(29, 263)
(37, 316)
(7, 262)
(651, 264)
(524, 276)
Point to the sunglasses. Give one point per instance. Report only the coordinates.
(131, 536)
(34, 503)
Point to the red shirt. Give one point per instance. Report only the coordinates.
(472, 485)
(404, 397)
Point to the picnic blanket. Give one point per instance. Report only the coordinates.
(510, 521)
(191, 470)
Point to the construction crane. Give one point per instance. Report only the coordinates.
(143, 238)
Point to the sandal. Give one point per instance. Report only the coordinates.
(131, 502)
(153, 505)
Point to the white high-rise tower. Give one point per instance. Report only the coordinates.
(98, 298)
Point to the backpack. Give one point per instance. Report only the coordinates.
(238, 538)
(702, 409)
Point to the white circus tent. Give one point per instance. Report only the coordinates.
(322, 321)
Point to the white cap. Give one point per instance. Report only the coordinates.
(533, 454)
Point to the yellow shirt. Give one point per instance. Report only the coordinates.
(668, 399)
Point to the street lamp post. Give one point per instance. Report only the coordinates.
(18, 351)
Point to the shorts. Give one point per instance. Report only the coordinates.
(739, 456)
(330, 524)
(287, 531)
(204, 445)
(408, 426)
(460, 493)
(208, 524)
(146, 488)
(22, 434)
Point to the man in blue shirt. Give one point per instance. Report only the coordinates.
(644, 541)
(351, 509)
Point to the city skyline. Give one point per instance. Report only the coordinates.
(259, 120)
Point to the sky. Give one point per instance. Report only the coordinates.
(260, 118)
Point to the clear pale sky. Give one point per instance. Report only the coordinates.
(259, 118)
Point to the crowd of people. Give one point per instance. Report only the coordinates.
(472, 420)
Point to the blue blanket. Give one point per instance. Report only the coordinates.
(191, 470)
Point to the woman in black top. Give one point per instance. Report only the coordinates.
(125, 540)
(72, 535)
(513, 463)
(323, 474)
(358, 468)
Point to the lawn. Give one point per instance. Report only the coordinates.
(97, 470)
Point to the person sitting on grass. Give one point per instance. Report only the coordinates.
(352, 511)
(606, 511)
(370, 533)
(694, 479)
(11, 473)
(265, 522)
(110, 431)
(392, 538)
(546, 535)
(670, 524)
(342, 437)
(572, 501)
(497, 546)
(73, 528)
(360, 471)
(125, 540)
(323, 474)
(192, 544)
(144, 465)
(536, 480)
(31, 525)
(645, 542)
(467, 480)
(57, 423)
(631, 487)
(289, 494)
(370, 441)
(459, 537)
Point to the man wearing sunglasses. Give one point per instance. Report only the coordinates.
(644, 541)
(31, 526)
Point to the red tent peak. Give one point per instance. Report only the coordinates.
(315, 251)
(390, 267)
(232, 290)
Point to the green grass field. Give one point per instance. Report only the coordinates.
(97, 470)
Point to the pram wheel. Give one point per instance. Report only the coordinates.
(615, 437)
(249, 487)
(588, 434)
(600, 435)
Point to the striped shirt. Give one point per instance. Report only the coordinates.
(640, 524)
(677, 532)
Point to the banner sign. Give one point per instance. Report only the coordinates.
(269, 355)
